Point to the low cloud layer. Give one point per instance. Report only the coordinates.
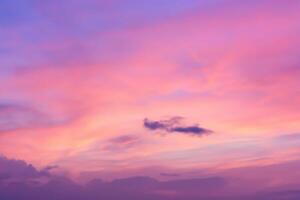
(20, 183)
(19, 171)
(174, 124)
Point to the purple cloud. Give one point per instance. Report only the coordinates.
(174, 125)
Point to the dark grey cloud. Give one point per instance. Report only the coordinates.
(174, 124)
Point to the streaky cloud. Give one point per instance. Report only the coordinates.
(169, 174)
(289, 137)
(121, 143)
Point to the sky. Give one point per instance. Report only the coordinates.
(159, 88)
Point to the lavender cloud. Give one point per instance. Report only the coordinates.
(15, 116)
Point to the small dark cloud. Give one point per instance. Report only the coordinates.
(191, 129)
(154, 125)
(174, 124)
(161, 124)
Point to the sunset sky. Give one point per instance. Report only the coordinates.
(159, 88)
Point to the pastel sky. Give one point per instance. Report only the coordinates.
(115, 88)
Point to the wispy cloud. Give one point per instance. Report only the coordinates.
(122, 143)
(14, 116)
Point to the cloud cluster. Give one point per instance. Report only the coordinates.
(174, 124)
